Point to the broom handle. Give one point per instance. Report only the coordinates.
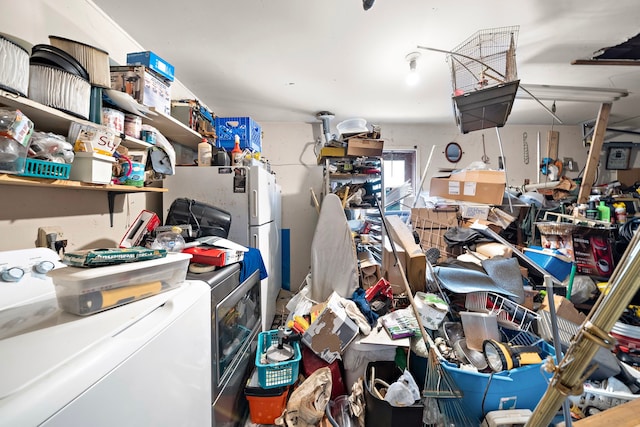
(425, 337)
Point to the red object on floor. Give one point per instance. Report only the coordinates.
(265, 405)
(311, 363)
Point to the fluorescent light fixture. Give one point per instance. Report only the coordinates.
(413, 77)
(571, 93)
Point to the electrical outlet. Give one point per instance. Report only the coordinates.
(42, 240)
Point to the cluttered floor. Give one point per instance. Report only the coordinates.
(462, 327)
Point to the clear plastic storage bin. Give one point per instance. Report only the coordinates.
(86, 291)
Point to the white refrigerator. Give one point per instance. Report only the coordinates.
(253, 198)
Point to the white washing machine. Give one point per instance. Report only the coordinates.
(146, 363)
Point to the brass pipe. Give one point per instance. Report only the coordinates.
(569, 374)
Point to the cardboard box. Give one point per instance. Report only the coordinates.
(331, 332)
(565, 309)
(153, 62)
(415, 262)
(478, 186)
(392, 271)
(331, 152)
(364, 147)
(474, 211)
(143, 85)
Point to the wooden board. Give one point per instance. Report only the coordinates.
(553, 140)
(594, 152)
(624, 415)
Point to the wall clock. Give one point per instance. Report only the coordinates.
(618, 157)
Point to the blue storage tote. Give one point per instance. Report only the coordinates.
(518, 388)
(553, 261)
(246, 128)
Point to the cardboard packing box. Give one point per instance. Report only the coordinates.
(364, 147)
(332, 331)
(415, 262)
(143, 85)
(331, 152)
(152, 61)
(478, 186)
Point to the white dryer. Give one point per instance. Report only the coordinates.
(146, 363)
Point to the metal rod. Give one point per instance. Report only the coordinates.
(424, 177)
(592, 334)
(566, 409)
(538, 152)
(504, 165)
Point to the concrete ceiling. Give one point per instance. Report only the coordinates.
(285, 60)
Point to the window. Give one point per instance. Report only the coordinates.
(399, 177)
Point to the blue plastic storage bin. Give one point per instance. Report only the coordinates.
(246, 128)
(553, 261)
(277, 374)
(519, 388)
(45, 169)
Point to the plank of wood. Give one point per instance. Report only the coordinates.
(594, 152)
(623, 415)
(553, 140)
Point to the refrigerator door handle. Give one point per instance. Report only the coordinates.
(255, 203)
(255, 240)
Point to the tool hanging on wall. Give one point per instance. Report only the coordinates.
(485, 158)
(525, 149)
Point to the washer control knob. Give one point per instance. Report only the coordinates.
(44, 267)
(12, 274)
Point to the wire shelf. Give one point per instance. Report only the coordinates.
(510, 314)
(430, 227)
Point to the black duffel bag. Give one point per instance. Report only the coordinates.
(205, 220)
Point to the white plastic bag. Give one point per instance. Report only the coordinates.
(403, 392)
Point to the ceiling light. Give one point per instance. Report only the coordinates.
(571, 93)
(412, 78)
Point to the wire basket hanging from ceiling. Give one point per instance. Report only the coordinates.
(484, 78)
(486, 59)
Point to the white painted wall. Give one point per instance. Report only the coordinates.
(288, 146)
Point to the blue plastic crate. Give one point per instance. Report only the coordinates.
(246, 128)
(278, 374)
(45, 169)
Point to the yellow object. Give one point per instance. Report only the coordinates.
(302, 322)
(603, 287)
